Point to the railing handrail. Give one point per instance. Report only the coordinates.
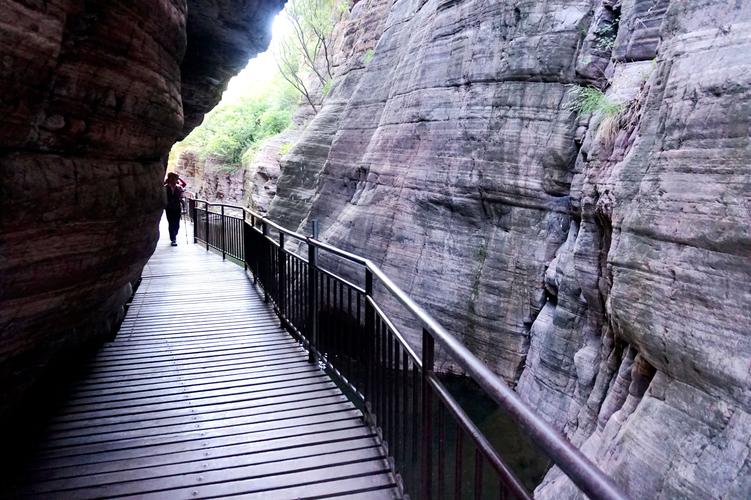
(587, 476)
(262, 218)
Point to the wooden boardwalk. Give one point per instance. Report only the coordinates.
(203, 395)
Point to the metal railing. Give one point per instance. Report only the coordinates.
(435, 447)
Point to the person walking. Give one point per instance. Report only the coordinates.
(173, 204)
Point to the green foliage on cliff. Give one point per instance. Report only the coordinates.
(285, 148)
(236, 127)
(587, 100)
(368, 56)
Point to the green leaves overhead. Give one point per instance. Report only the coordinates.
(233, 128)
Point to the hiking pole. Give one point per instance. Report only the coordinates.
(185, 226)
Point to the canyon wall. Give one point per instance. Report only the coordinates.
(252, 183)
(599, 262)
(93, 94)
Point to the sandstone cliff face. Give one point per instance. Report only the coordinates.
(263, 171)
(599, 264)
(92, 96)
(217, 181)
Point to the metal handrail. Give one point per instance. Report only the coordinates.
(570, 459)
(588, 477)
(281, 229)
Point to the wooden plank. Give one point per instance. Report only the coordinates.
(262, 404)
(180, 333)
(156, 331)
(204, 400)
(280, 362)
(294, 366)
(186, 337)
(231, 337)
(294, 484)
(260, 431)
(232, 471)
(247, 354)
(199, 386)
(192, 352)
(247, 317)
(271, 359)
(201, 444)
(136, 475)
(129, 431)
(230, 450)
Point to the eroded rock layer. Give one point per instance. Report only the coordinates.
(92, 96)
(600, 264)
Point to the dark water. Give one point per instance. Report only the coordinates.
(518, 452)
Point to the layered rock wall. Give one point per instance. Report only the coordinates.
(93, 94)
(600, 263)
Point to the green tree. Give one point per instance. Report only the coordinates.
(233, 128)
(307, 50)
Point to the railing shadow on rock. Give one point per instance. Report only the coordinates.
(427, 435)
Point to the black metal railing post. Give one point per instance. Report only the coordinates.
(224, 237)
(369, 330)
(256, 260)
(265, 282)
(245, 243)
(282, 287)
(312, 296)
(428, 359)
(206, 207)
(193, 218)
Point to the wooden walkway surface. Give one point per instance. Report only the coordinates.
(203, 395)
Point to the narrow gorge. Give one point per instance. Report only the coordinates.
(599, 262)
(565, 185)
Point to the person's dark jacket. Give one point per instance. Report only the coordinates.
(173, 198)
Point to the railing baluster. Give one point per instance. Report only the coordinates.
(428, 352)
(281, 303)
(384, 383)
(358, 326)
(333, 320)
(348, 333)
(244, 253)
(254, 250)
(340, 319)
(207, 225)
(395, 375)
(368, 340)
(416, 426)
(194, 218)
(458, 470)
(478, 474)
(223, 242)
(377, 377)
(323, 333)
(312, 299)
(388, 394)
(334, 356)
(264, 279)
(440, 491)
(405, 404)
(291, 289)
